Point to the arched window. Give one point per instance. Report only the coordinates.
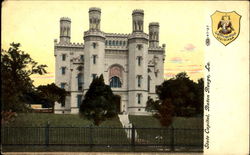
(109, 42)
(113, 43)
(79, 81)
(115, 82)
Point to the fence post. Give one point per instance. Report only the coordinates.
(47, 134)
(133, 138)
(91, 137)
(172, 138)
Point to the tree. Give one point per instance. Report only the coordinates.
(52, 94)
(16, 69)
(99, 102)
(178, 96)
(185, 95)
(165, 112)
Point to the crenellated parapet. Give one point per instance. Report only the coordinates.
(68, 45)
(119, 35)
(94, 35)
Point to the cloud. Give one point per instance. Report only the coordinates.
(188, 48)
(178, 60)
(169, 75)
(49, 75)
(43, 77)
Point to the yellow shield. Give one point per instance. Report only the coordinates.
(225, 26)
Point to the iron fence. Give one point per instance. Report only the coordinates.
(90, 138)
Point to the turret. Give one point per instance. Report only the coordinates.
(65, 24)
(153, 34)
(94, 18)
(138, 16)
(94, 48)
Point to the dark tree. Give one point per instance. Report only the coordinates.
(52, 93)
(16, 68)
(185, 95)
(99, 102)
(178, 96)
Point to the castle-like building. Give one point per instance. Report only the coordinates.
(132, 64)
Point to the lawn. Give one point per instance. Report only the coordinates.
(185, 131)
(178, 122)
(58, 120)
(72, 130)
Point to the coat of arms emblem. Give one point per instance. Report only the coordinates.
(225, 26)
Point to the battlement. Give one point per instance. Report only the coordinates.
(119, 35)
(77, 45)
(65, 19)
(154, 24)
(94, 9)
(94, 33)
(138, 35)
(138, 11)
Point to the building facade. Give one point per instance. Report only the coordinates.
(132, 64)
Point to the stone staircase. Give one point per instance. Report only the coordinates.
(126, 124)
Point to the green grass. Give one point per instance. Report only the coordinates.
(186, 130)
(57, 120)
(178, 122)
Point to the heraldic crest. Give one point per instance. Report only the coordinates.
(225, 26)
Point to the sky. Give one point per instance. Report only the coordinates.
(35, 24)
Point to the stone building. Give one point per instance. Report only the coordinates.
(132, 64)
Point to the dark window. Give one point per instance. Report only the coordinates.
(79, 81)
(82, 58)
(139, 98)
(124, 43)
(139, 60)
(116, 43)
(149, 83)
(113, 43)
(79, 100)
(139, 80)
(110, 43)
(63, 70)
(93, 76)
(94, 45)
(106, 42)
(139, 46)
(115, 82)
(63, 85)
(120, 43)
(63, 57)
(94, 59)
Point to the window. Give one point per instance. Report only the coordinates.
(94, 59)
(113, 43)
(63, 70)
(93, 76)
(116, 43)
(79, 100)
(109, 42)
(139, 98)
(94, 45)
(63, 85)
(106, 42)
(124, 43)
(139, 80)
(63, 57)
(115, 82)
(120, 43)
(79, 81)
(149, 83)
(139, 60)
(82, 58)
(139, 46)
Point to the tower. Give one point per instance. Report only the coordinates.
(137, 63)
(94, 48)
(154, 35)
(65, 24)
(94, 18)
